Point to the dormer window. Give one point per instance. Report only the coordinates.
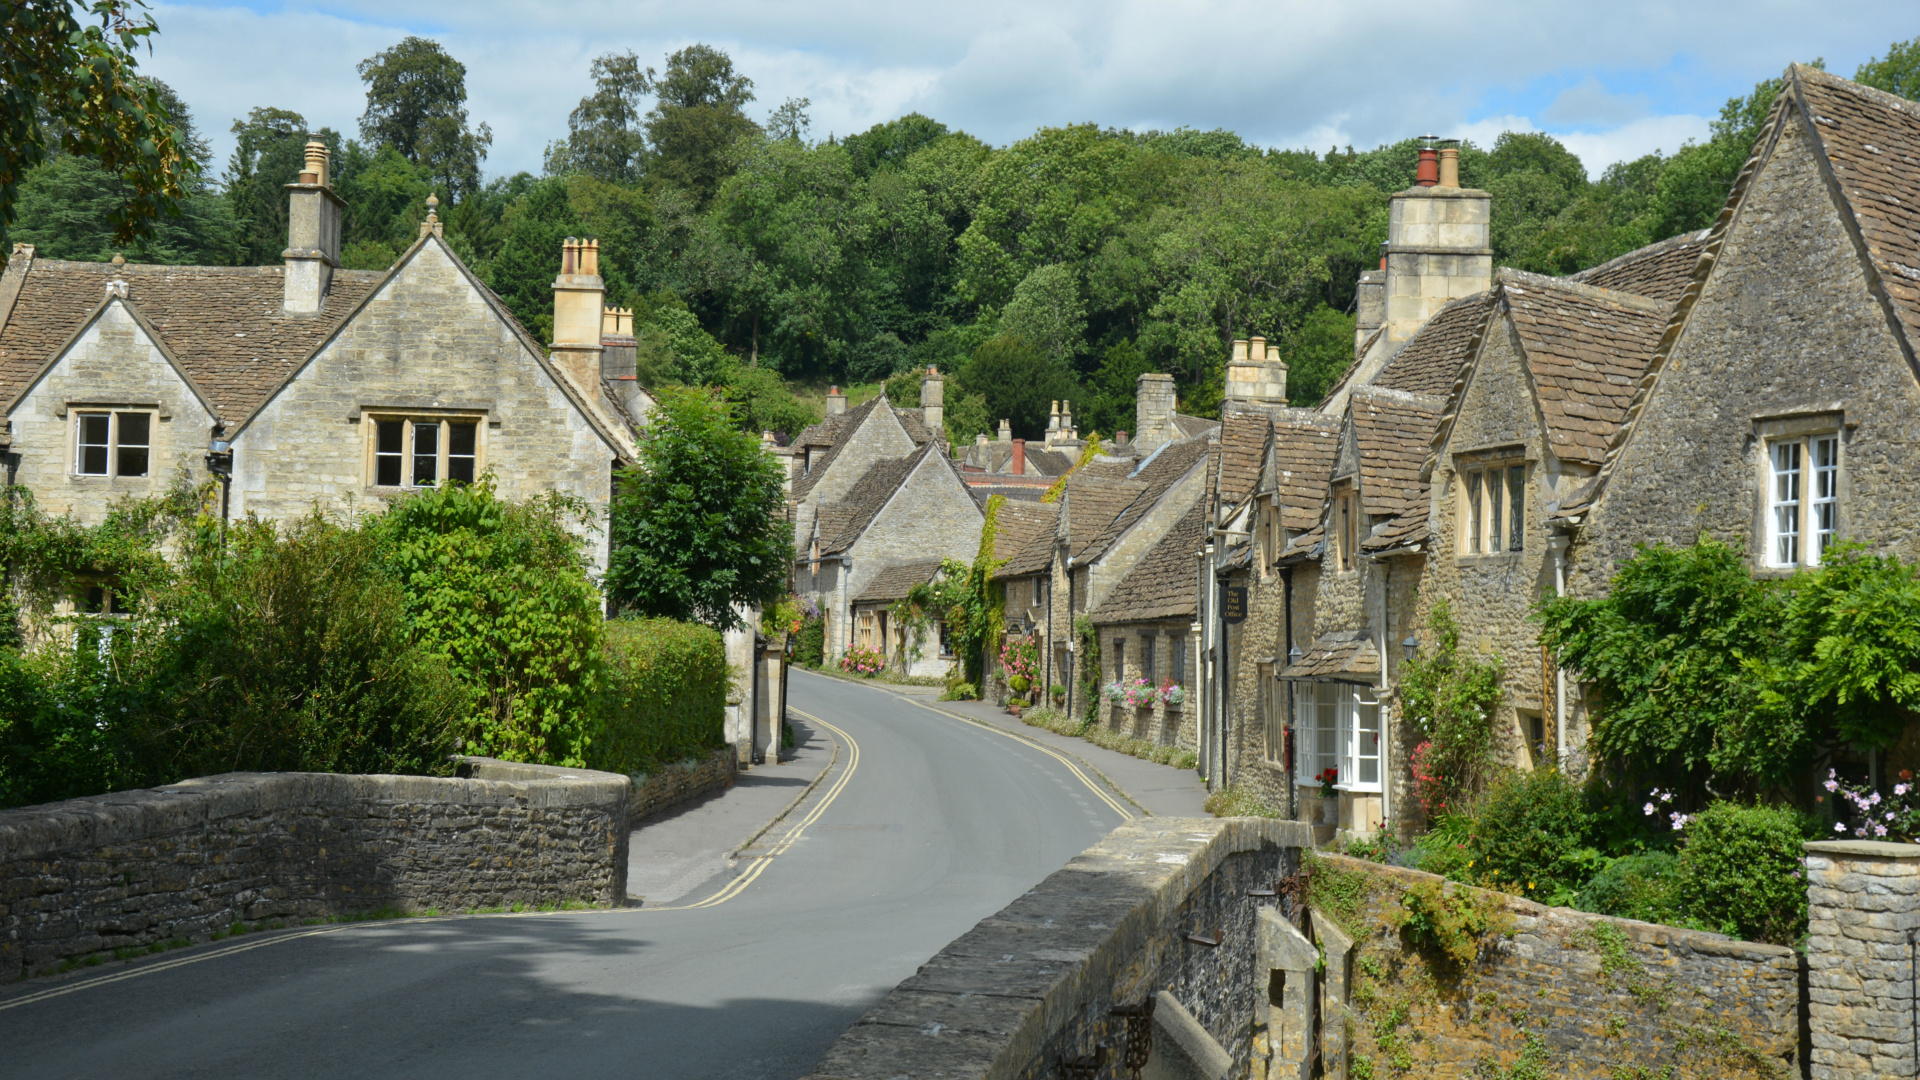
(1492, 507)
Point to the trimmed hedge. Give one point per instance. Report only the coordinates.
(665, 695)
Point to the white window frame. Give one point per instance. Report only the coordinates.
(77, 419)
(443, 446)
(1802, 498)
(1331, 728)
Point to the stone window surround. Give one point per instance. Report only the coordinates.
(1344, 526)
(1489, 460)
(1803, 424)
(75, 410)
(369, 420)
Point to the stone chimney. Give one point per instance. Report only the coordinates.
(1067, 434)
(1153, 412)
(1438, 248)
(1053, 424)
(313, 234)
(836, 401)
(980, 439)
(619, 363)
(1018, 466)
(1006, 429)
(1256, 376)
(932, 402)
(578, 315)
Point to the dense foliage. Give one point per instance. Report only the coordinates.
(966, 598)
(698, 525)
(1449, 698)
(665, 695)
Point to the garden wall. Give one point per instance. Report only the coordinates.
(1571, 994)
(183, 861)
(1863, 906)
(676, 783)
(1035, 986)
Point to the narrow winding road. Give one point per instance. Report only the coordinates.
(925, 825)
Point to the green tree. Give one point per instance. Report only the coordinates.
(268, 152)
(536, 223)
(697, 524)
(1017, 383)
(1318, 352)
(417, 104)
(386, 197)
(1047, 312)
(1898, 72)
(604, 137)
(889, 145)
(66, 207)
(1108, 401)
(74, 87)
(696, 119)
(790, 121)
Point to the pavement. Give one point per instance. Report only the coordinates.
(744, 958)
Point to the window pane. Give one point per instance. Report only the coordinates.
(1178, 661)
(389, 447)
(1473, 511)
(1366, 749)
(94, 429)
(1327, 737)
(1826, 494)
(1516, 507)
(135, 438)
(1786, 503)
(426, 452)
(1495, 534)
(460, 452)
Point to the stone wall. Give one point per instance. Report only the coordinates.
(679, 782)
(1566, 993)
(1036, 984)
(1863, 901)
(134, 868)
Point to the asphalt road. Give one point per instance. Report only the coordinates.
(933, 826)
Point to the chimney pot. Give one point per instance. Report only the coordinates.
(1120, 437)
(1006, 430)
(1239, 349)
(1019, 466)
(836, 401)
(1450, 166)
(1428, 172)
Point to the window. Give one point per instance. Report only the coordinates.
(1272, 720)
(946, 641)
(420, 451)
(1147, 670)
(1119, 659)
(1039, 591)
(1493, 514)
(1803, 495)
(1346, 531)
(112, 443)
(866, 629)
(1339, 724)
(1177, 659)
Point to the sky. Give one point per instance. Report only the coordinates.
(1612, 81)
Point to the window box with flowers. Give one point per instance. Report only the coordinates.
(1173, 694)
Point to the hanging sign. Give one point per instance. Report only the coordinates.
(1234, 604)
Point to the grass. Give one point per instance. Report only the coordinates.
(1146, 749)
(1238, 802)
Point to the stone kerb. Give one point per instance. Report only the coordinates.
(1037, 983)
(1863, 905)
(134, 868)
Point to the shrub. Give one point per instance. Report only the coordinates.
(664, 695)
(1447, 924)
(810, 644)
(1443, 848)
(1529, 837)
(863, 662)
(1740, 872)
(960, 690)
(1450, 699)
(1643, 887)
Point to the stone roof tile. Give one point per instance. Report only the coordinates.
(1024, 536)
(895, 582)
(1165, 583)
(1093, 504)
(1343, 653)
(1431, 360)
(1304, 449)
(1393, 432)
(1660, 271)
(867, 498)
(1587, 349)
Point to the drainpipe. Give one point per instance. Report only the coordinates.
(1387, 760)
(1205, 667)
(1051, 631)
(1073, 640)
(1292, 737)
(1558, 545)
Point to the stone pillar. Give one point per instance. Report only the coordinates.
(579, 316)
(1153, 403)
(1288, 960)
(1863, 900)
(933, 402)
(1370, 306)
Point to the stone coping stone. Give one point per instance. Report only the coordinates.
(1870, 849)
(31, 832)
(986, 1005)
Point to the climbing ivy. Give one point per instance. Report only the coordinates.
(973, 605)
(1058, 487)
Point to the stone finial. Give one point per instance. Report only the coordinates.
(432, 225)
(1006, 431)
(119, 259)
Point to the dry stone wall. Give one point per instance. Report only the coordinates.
(134, 868)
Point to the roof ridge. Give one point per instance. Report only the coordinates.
(1841, 82)
(1678, 240)
(1506, 278)
(1428, 401)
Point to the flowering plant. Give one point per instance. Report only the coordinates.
(1136, 692)
(1431, 787)
(863, 662)
(1019, 656)
(1171, 693)
(1674, 817)
(1877, 816)
(1326, 778)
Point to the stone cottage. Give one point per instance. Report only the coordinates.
(916, 650)
(307, 384)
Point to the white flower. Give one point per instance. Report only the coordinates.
(1647, 809)
(1831, 783)
(1839, 827)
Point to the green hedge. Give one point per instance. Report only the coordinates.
(665, 695)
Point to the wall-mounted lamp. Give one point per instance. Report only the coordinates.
(1294, 654)
(1412, 645)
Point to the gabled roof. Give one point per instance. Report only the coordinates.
(1024, 534)
(1093, 504)
(836, 430)
(1344, 655)
(222, 324)
(1304, 448)
(1243, 450)
(1404, 531)
(1587, 349)
(1165, 583)
(870, 494)
(1659, 271)
(1872, 141)
(1160, 472)
(1193, 427)
(895, 582)
(1431, 359)
(1392, 430)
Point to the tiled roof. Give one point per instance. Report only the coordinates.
(841, 428)
(1872, 140)
(1431, 359)
(868, 497)
(1393, 431)
(1048, 462)
(1165, 583)
(1156, 475)
(223, 323)
(1587, 349)
(1243, 449)
(1660, 271)
(1408, 529)
(1193, 427)
(1111, 470)
(1343, 653)
(915, 423)
(1303, 452)
(896, 581)
(1093, 504)
(1024, 536)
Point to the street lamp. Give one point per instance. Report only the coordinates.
(220, 464)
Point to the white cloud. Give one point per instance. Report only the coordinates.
(1616, 79)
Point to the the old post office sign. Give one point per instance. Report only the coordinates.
(1235, 606)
